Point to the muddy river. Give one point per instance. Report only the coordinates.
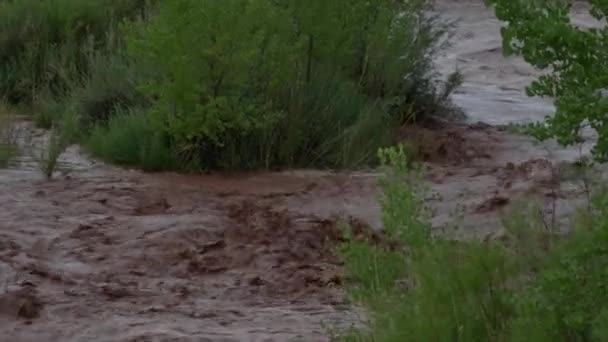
(108, 254)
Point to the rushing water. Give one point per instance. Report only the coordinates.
(118, 255)
(493, 89)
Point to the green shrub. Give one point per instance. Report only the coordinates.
(427, 289)
(110, 85)
(568, 299)
(536, 286)
(48, 110)
(328, 123)
(130, 138)
(260, 84)
(237, 84)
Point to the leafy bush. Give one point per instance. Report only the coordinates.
(542, 32)
(249, 84)
(130, 138)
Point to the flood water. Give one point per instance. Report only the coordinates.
(102, 253)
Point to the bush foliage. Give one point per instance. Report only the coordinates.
(263, 84)
(235, 84)
(544, 35)
(130, 139)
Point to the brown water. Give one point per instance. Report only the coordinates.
(107, 254)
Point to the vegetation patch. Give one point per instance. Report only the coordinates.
(534, 286)
(237, 84)
(8, 135)
(130, 139)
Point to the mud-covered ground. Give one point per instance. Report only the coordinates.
(106, 254)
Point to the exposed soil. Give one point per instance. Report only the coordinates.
(107, 254)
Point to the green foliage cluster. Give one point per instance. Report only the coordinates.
(535, 287)
(262, 84)
(568, 300)
(235, 84)
(129, 138)
(575, 60)
(437, 290)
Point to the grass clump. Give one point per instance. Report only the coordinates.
(568, 299)
(131, 139)
(46, 45)
(538, 286)
(109, 86)
(8, 135)
(62, 135)
(438, 290)
(7, 152)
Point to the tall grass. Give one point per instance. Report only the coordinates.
(45, 45)
(64, 133)
(131, 139)
(8, 135)
(431, 290)
(109, 86)
(535, 287)
(567, 300)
